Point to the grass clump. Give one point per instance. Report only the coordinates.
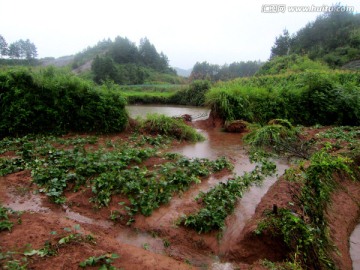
(172, 127)
(279, 137)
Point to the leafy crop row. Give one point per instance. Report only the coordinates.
(117, 170)
(147, 190)
(220, 201)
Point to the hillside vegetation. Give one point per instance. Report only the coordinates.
(333, 37)
(123, 62)
(308, 98)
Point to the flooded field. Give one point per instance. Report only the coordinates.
(158, 237)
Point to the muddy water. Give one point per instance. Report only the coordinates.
(173, 110)
(30, 202)
(218, 144)
(355, 248)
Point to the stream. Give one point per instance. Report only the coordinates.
(355, 247)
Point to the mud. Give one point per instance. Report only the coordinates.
(157, 242)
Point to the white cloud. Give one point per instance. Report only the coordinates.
(186, 31)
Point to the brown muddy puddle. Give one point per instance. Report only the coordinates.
(355, 247)
(217, 144)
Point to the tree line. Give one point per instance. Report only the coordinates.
(334, 37)
(21, 49)
(211, 72)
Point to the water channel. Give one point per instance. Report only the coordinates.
(355, 247)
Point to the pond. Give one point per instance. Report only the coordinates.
(169, 110)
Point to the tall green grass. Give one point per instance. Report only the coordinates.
(55, 101)
(169, 126)
(317, 97)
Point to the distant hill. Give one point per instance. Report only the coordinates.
(183, 72)
(123, 62)
(58, 62)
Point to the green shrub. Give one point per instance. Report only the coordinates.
(308, 98)
(194, 95)
(290, 63)
(56, 101)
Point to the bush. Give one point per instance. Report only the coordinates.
(290, 63)
(56, 101)
(194, 95)
(164, 125)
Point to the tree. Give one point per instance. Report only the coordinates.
(3, 46)
(29, 49)
(282, 45)
(104, 69)
(148, 53)
(333, 37)
(23, 49)
(14, 50)
(151, 58)
(124, 51)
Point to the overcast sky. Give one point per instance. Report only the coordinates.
(187, 31)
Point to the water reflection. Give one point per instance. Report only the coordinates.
(173, 110)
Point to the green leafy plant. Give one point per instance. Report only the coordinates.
(104, 261)
(220, 201)
(5, 223)
(52, 246)
(10, 260)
